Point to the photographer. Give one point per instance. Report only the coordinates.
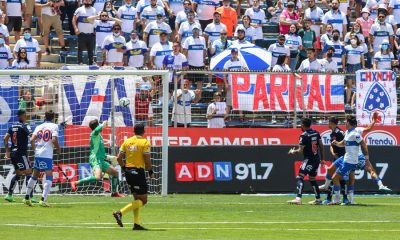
(51, 18)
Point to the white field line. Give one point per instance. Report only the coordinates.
(206, 228)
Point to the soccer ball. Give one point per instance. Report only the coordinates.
(124, 102)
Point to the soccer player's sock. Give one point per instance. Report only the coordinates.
(328, 180)
(350, 191)
(378, 181)
(114, 184)
(13, 182)
(336, 190)
(330, 192)
(343, 189)
(29, 187)
(133, 205)
(86, 180)
(136, 216)
(315, 187)
(300, 185)
(47, 187)
(27, 177)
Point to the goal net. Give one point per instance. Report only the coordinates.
(78, 95)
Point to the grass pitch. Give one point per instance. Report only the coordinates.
(202, 217)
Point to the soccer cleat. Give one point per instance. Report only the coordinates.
(315, 202)
(9, 198)
(326, 202)
(384, 189)
(73, 186)
(323, 188)
(27, 202)
(34, 200)
(118, 217)
(43, 204)
(296, 201)
(345, 201)
(117, 195)
(138, 227)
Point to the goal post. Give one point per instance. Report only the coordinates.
(101, 88)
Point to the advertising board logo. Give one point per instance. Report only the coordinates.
(326, 137)
(380, 137)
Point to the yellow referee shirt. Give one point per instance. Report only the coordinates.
(134, 148)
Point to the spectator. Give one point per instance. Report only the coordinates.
(294, 42)
(114, 47)
(337, 18)
(233, 64)
(182, 15)
(328, 64)
(50, 12)
(353, 57)
(213, 30)
(153, 29)
(372, 7)
(220, 44)
(195, 50)
(380, 31)
(356, 30)
(216, 112)
(21, 61)
(349, 95)
(186, 28)
(257, 16)
(135, 51)
(85, 30)
(315, 14)
(384, 58)
(250, 31)
(327, 36)
(205, 11)
(108, 8)
(142, 4)
(339, 48)
(395, 10)
(159, 51)
(311, 63)
(4, 29)
(28, 12)
(129, 17)
(27, 103)
(68, 10)
(5, 53)
(280, 65)
(99, 5)
(182, 105)
(14, 11)
(228, 16)
(151, 12)
(241, 36)
(175, 61)
(143, 107)
(103, 28)
(174, 7)
(288, 17)
(32, 48)
(309, 40)
(278, 49)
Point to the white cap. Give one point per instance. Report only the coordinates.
(365, 10)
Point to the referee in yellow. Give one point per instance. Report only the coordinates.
(136, 151)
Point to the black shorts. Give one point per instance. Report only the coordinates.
(136, 179)
(309, 167)
(14, 23)
(20, 161)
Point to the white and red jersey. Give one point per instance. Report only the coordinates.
(44, 134)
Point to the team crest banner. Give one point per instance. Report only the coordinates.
(84, 98)
(277, 92)
(376, 92)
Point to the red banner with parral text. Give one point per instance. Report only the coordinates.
(278, 92)
(79, 136)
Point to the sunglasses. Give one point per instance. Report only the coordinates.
(290, 6)
(103, 15)
(381, 16)
(116, 28)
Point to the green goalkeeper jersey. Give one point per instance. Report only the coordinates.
(97, 149)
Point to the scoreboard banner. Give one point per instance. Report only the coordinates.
(277, 92)
(376, 92)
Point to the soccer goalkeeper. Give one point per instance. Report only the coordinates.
(97, 160)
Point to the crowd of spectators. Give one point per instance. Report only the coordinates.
(314, 36)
